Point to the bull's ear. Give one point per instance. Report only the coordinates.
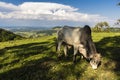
(96, 55)
(91, 56)
(99, 55)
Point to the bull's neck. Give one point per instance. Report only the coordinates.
(92, 47)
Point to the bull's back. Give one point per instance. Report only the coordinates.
(71, 35)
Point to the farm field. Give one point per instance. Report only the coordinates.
(36, 59)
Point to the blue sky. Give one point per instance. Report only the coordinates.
(58, 12)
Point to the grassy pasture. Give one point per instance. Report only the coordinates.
(36, 59)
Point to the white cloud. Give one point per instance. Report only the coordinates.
(7, 6)
(46, 11)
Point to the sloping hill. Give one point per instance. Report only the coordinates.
(36, 59)
(7, 35)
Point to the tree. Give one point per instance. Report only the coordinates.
(106, 25)
(102, 26)
(98, 27)
(118, 22)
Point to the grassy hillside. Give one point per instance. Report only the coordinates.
(36, 59)
(7, 35)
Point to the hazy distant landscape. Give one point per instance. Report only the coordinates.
(30, 32)
(24, 28)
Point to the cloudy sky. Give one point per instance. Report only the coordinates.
(49, 13)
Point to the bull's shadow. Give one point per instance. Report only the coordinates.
(47, 67)
(61, 56)
(25, 51)
(109, 47)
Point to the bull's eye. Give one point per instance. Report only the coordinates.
(99, 63)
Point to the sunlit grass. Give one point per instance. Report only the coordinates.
(98, 36)
(36, 59)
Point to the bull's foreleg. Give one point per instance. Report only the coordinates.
(59, 45)
(58, 48)
(83, 51)
(74, 55)
(65, 50)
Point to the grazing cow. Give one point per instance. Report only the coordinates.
(81, 40)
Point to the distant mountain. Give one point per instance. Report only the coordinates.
(8, 35)
(57, 27)
(24, 28)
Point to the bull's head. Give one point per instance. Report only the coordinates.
(95, 60)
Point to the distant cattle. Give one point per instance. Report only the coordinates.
(81, 40)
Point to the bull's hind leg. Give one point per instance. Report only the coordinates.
(75, 53)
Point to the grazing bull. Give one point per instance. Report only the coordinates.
(81, 40)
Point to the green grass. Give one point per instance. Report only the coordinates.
(36, 59)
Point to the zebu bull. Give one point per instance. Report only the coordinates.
(81, 40)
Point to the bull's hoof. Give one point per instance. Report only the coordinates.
(74, 62)
(66, 57)
(59, 57)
